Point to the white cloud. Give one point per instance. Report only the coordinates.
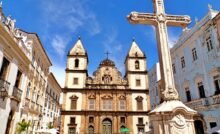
(172, 39)
(70, 15)
(65, 18)
(59, 45)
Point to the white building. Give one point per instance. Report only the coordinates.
(51, 111)
(154, 79)
(196, 68)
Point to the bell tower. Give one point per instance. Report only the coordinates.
(136, 68)
(77, 65)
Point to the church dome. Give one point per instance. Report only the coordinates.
(107, 62)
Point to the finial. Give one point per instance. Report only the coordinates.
(107, 53)
(196, 20)
(79, 38)
(209, 7)
(133, 39)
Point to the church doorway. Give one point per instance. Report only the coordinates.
(106, 126)
(91, 130)
(199, 127)
(9, 122)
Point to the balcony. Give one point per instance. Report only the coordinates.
(17, 94)
(216, 99)
(194, 104)
(204, 102)
(4, 87)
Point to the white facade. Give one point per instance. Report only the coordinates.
(52, 106)
(154, 78)
(196, 67)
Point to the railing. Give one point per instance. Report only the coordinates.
(4, 87)
(195, 103)
(17, 93)
(100, 86)
(203, 102)
(216, 99)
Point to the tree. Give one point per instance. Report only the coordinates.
(50, 125)
(22, 126)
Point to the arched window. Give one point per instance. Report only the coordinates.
(137, 64)
(76, 63)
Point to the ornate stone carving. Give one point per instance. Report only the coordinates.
(92, 96)
(10, 23)
(108, 74)
(139, 98)
(179, 120)
(122, 97)
(74, 97)
(107, 96)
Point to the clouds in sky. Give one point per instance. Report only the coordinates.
(63, 18)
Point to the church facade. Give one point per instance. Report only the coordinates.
(106, 103)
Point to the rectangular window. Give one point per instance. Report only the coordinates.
(139, 105)
(107, 104)
(73, 104)
(75, 81)
(194, 54)
(4, 68)
(201, 90)
(140, 120)
(174, 68)
(209, 43)
(18, 79)
(217, 84)
(188, 94)
(72, 130)
(213, 124)
(138, 82)
(91, 104)
(122, 120)
(122, 104)
(72, 120)
(183, 62)
(91, 119)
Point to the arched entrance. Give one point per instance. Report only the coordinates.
(199, 127)
(91, 130)
(9, 122)
(106, 126)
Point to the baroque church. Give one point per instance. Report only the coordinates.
(107, 102)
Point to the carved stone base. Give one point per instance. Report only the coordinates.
(172, 117)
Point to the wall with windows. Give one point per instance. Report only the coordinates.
(13, 79)
(196, 67)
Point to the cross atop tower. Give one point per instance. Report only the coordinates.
(107, 53)
(161, 20)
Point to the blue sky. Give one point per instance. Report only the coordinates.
(101, 24)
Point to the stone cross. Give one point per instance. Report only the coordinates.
(161, 20)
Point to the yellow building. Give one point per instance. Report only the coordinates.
(107, 102)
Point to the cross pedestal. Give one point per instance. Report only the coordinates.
(171, 116)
